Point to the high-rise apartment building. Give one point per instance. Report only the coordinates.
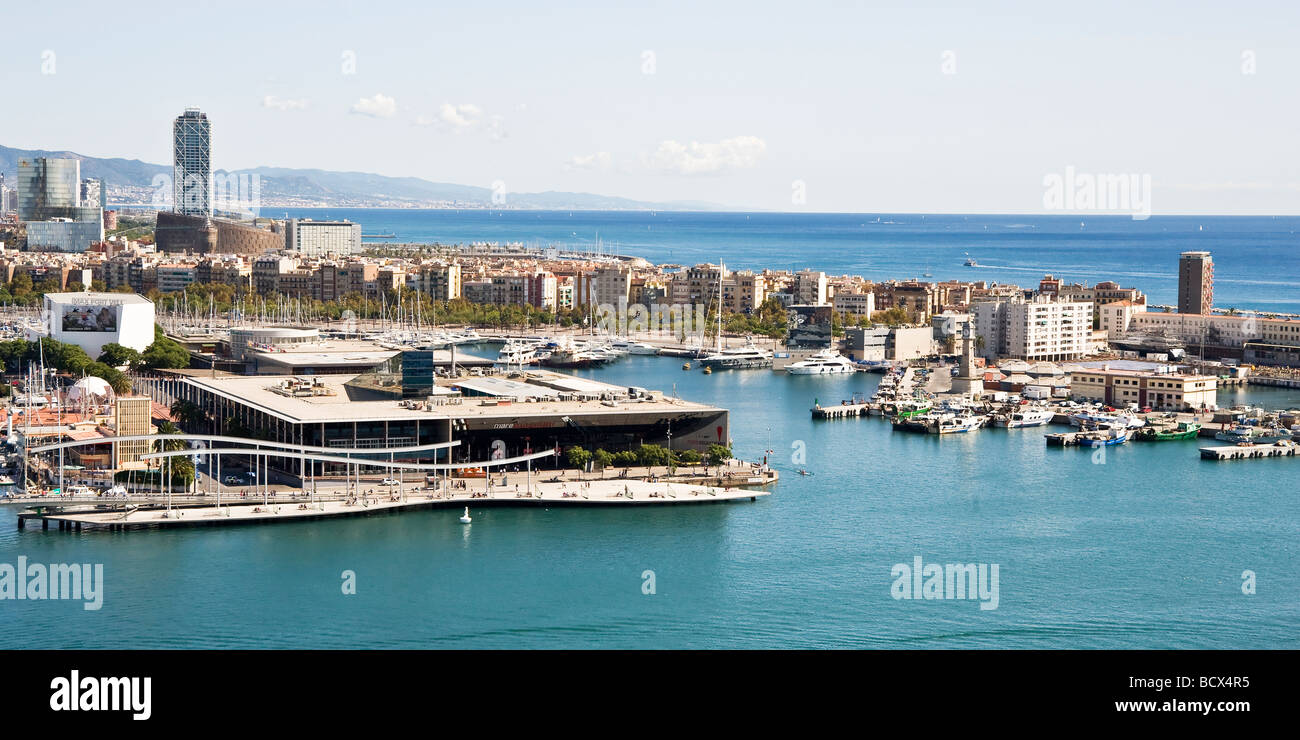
(1195, 283)
(192, 164)
(1041, 329)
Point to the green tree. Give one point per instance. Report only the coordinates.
(190, 415)
(625, 458)
(164, 353)
(602, 458)
(117, 355)
(717, 454)
(651, 455)
(577, 457)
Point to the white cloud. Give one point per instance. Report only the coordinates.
(597, 161)
(379, 106)
(703, 158)
(271, 101)
(465, 118)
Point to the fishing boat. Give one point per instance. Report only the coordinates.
(1032, 416)
(1183, 430)
(1116, 434)
(948, 423)
(826, 362)
(1241, 433)
(1088, 418)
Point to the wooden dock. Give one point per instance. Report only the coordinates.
(1248, 452)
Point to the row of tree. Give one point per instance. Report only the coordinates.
(647, 455)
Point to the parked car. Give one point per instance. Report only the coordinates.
(390, 482)
(231, 480)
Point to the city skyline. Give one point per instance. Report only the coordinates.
(887, 111)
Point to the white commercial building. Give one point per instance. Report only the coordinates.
(1041, 329)
(312, 238)
(91, 320)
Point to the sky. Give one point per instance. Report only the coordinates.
(984, 107)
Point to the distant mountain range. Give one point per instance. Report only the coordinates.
(284, 187)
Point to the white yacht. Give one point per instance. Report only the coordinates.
(518, 353)
(734, 358)
(826, 362)
(635, 348)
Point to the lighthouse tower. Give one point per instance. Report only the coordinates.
(968, 378)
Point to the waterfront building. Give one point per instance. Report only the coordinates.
(347, 411)
(1248, 337)
(809, 327)
(1161, 391)
(1038, 329)
(192, 164)
(311, 238)
(1195, 283)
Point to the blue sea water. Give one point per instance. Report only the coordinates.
(1257, 258)
(1146, 550)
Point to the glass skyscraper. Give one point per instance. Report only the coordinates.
(49, 188)
(192, 164)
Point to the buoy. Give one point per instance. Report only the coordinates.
(464, 518)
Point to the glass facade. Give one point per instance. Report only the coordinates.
(192, 164)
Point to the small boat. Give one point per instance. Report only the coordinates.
(464, 518)
(1115, 435)
(1254, 434)
(1028, 417)
(1184, 430)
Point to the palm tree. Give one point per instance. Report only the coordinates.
(189, 414)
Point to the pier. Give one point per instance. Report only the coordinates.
(1248, 452)
(612, 492)
(841, 411)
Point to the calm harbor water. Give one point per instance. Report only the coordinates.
(1144, 551)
